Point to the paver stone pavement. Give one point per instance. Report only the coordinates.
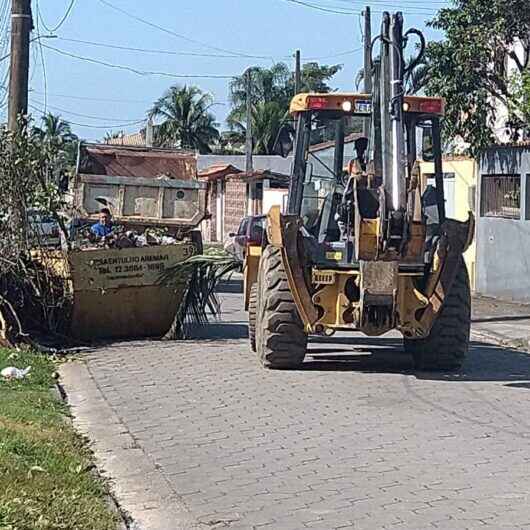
(195, 434)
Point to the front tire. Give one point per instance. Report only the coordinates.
(446, 348)
(281, 341)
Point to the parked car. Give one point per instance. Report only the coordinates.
(44, 229)
(250, 231)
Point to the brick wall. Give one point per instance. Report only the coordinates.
(235, 204)
(208, 226)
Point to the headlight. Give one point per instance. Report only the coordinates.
(346, 106)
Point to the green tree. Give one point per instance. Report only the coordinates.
(186, 119)
(267, 118)
(520, 85)
(468, 67)
(57, 134)
(271, 92)
(56, 130)
(112, 135)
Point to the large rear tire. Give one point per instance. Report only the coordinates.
(281, 341)
(446, 348)
(252, 309)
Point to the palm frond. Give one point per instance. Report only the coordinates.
(198, 277)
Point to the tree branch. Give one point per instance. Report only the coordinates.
(520, 65)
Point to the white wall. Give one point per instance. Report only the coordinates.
(273, 197)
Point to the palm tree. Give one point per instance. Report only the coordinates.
(266, 85)
(276, 84)
(186, 120)
(111, 135)
(58, 134)
(267, 119)
(55, 130)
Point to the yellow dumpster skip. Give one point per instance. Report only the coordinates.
(117, 292)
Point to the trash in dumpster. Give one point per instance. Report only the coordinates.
(120, 237)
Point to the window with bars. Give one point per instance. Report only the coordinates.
(500, 196)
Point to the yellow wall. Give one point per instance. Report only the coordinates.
(465, 180)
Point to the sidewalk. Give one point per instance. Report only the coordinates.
(505, 323)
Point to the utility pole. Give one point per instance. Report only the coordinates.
(297, 73)
(248, 143)
(21, 26)
(367, 62)
(149, 133)
(251, 187)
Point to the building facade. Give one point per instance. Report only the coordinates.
(503, 223)
(233, 194)
(460, 189)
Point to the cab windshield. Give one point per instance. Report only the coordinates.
(326, 154)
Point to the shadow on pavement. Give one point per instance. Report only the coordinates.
(232, 286)
(486, 362)
(519, 385)
(500, 319)
(218, 331)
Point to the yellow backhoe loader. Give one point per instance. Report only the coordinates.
(364, 244)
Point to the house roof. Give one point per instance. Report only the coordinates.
(230, 172)
(218, 171)
(134, 139)
(98, 159)
(276, 164)
(262, 174)
(326, 145)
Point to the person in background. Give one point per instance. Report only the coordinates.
(104, 226)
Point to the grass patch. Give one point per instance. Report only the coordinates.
(45, 477)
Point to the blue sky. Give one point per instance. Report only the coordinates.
(116, 97)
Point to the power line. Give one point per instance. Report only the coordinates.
(197, 54)
(231, 53)
(106, 100)
(321, 8)
(61, 22)
(43, 62)
(343, 11)
(86, 98)
(134, 70)
(171, 32)
(163, 52)
(98, 118)
(333, 56)
(115, 126)
(403, 6)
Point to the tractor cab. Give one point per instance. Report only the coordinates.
(349, 208)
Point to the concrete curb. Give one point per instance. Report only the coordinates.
(140, 489)
(500, 340)
(114, 506)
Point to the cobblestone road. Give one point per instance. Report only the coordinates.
(354, 440)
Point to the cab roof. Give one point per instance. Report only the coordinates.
(360, 104)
